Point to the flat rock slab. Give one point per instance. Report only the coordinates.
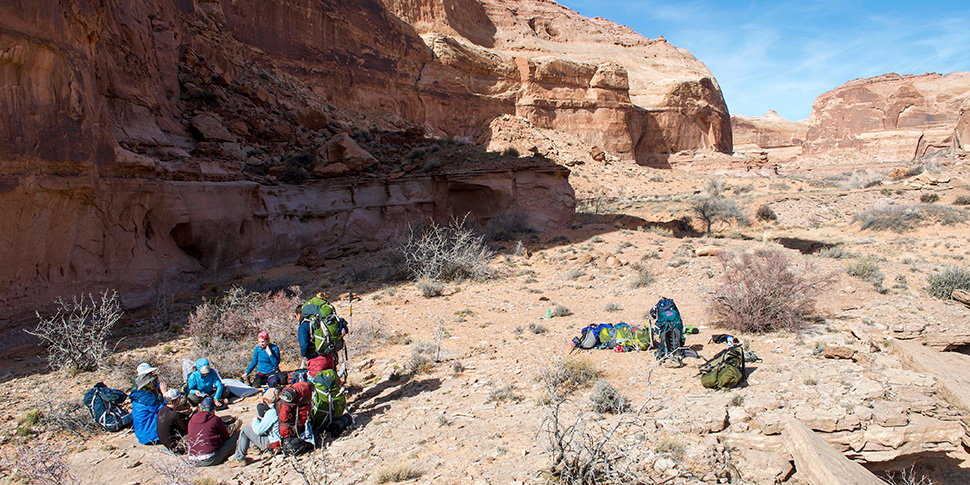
(820, 464)
(947, 367)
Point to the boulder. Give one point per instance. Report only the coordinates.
(837, 352)
(209, 127)
(818, 462)
(344, 150)
(312, 118)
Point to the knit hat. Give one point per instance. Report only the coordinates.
(208, 404)
(203, 365)
(273, 381)
(263, 336)
(145, 368)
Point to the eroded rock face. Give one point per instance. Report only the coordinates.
(779, 138)
(637, 98)
(890, 117)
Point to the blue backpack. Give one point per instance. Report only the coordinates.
(104, 404)
(669, 328)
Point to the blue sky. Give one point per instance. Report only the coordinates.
(781, 55)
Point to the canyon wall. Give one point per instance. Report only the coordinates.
(890, 117)
(768, 135)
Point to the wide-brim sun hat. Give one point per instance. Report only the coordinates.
(145, 368)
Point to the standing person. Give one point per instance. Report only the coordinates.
(264, 432)
(173, 425)
(266, 361)
(209, 441)
(320, 334)
(205, 382)
(145, 405)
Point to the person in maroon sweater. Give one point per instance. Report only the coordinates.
(209, 441)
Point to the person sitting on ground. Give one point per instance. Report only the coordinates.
(145, 405)
(264, 432)
(266, 361)
(173, 425)
(209, 441)
(155, 386)
(205, 382)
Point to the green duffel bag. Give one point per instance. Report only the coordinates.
(725, 370)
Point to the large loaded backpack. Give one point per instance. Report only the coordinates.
(328, 329)
(725, 370)
(104, 404)
(329, 402)
(293, 419)
(669, 328)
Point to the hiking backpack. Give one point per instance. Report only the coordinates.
(328, 333)
(104, 404)
(329, 401)
(725, 370)
(665, 312)
(317, 306)
(589, 337)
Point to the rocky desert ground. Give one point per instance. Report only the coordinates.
(479, 412)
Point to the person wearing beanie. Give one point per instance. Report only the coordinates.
(264, 433)
(266, 361)
(205, 382)
(209, 440)
(173, 425)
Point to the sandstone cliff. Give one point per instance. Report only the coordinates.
(771, 134)
(637, 98)
(142, 143)
(890, 117)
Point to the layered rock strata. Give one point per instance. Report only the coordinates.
(779, 139)
(891, 117)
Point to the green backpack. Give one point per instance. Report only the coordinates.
(328, 333)
(318, 306)
(329, 401)
(725, 370)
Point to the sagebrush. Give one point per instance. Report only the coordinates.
(900, 218)
(944, 282)
(762, 291)
(76, 336)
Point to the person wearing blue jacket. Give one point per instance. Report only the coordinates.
(205, 382)
(266, 361)
(144, 411)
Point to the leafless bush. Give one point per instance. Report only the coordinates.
(766, 213)
(860, 179)
(452, 252)
(173, 469)
(929, 198)
(899, 218)
(715, 209)
(69, 416)
(762, 292)
(505, 393)
(503, 226)
(234, 319)
(908, 476)
(76, 336)
(39, 463)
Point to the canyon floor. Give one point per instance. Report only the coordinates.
(478, 415)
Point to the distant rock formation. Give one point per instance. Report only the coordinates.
(771, 134)
(891, 117)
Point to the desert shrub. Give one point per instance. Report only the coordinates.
(76, 336)
(715, 209)
(910, 172)
(39, 463)
(835, 252)
(452, 252)
(867, 268)
(929, 198)
(671, 447)
(537, 328)
(660, 231)
(607, 399)
(899, 218)
(963, 199)
(908, 476)
(68, 416)
(574, 274)
(564, 376)
(503, 226)
(642, 279)
(419, 362)
(505, 393)
(232, 316)
(762, 291)
(430, 288)
(398, 472)
(942, 283)
(766, 213)
(561, 311)
(510, 152)
(860, 179)
(612, 307)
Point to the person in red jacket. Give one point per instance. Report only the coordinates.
(294, 406)
(209, 441)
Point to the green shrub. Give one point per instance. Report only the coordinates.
(929, 198)
(642, 279)
(949, 278)
(835, 252)
(962, 200)
(867, 268)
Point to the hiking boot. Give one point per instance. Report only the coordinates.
(235, 426)
(232, 462)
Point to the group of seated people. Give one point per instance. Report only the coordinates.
(183, 420)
